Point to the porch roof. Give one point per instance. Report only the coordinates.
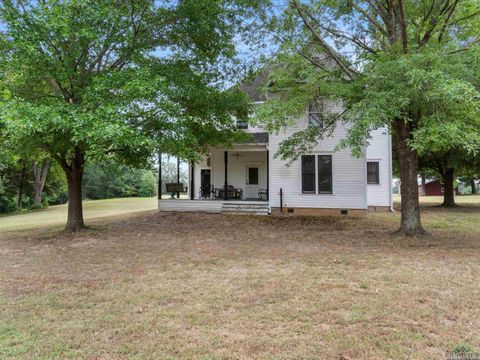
(259, 137)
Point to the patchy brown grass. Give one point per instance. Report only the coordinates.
(159, 286)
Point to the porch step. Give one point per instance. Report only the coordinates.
(245, 208)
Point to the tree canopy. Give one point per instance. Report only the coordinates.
(408, 66)
(99, 79)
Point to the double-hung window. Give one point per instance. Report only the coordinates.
(324, 174)
(308, 174)
(317, 174)
(315, 118)
(373, 173)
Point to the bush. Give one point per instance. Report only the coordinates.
(56, 199)
(7, 205)
(37, 206)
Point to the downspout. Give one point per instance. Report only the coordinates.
(268, 181)
(178, 176)
(365, 192)
(159, 190)
(390, 169)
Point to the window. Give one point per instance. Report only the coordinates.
(253, 176)
(324, 174)
(242, 124)
(373, 176)
(308, 174)
(315, 115)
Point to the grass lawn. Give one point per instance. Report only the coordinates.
(164, 286)
(56, 216)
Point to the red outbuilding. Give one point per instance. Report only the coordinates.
(434, 188)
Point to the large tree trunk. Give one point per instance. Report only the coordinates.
(473, 185)
(74, 174)
(40, 176)
(408, 161)
(448, 188)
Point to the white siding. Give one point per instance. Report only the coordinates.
(349, 175)
(379, 149)
(350, 189)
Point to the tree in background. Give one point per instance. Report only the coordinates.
(28, 182)
(8, 187)
(40, 173)
(108, 179)
(169, 172)
(470, 172)
(446, 166)
(408, 66)
(86, 80)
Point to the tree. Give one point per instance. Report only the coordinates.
(147, 186)
(11, 182)
(169, 172)
(401, 64)
(40, 172)
(446, 165)
(470, 171)
(85, 80)
(108, 179)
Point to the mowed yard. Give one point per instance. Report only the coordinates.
(56, 216)
(152, 285)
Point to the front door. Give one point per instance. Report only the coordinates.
(252, 182)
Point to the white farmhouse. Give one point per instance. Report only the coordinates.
(248, 177)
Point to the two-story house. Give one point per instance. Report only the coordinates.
(248, 178)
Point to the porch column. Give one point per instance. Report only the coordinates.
(192, 181)
(268, 174)
(225, 186)
(178, 176)
(159, 190)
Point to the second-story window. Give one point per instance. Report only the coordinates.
(242, 124)
(315, 118)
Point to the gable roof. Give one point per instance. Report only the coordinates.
(253, 88)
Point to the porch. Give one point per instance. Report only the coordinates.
(228, 180)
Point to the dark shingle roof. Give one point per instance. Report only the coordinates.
(259, 137)
(253, 88)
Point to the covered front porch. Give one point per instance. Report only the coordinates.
(228, 180)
